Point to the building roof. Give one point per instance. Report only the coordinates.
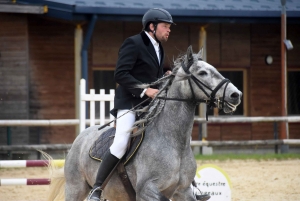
(181, 10)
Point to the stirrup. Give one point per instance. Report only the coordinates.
(203, 197)
(200, 197)
(92, 192)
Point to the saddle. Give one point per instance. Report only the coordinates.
(102, 144)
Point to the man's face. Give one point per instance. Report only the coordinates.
(162, 31)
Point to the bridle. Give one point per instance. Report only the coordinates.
(212, 101)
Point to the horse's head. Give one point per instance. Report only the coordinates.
(206, 83)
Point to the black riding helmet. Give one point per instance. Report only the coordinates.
(156, 15)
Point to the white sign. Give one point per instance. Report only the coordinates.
(213, 181)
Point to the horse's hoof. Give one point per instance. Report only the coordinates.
(202, 197)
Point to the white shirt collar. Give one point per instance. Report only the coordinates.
(154, 42)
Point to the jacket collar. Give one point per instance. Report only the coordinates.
(145, 38)
(151, 49)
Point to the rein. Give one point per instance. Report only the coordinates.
(212, 101)
(132, 109)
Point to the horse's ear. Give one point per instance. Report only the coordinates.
(189, 53)
(200, 54)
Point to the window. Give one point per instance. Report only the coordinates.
(293, 92)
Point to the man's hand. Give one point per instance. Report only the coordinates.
(151, 92)
(168, 73)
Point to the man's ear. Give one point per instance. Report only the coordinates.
(151, 26)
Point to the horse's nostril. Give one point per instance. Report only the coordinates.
(234, 95)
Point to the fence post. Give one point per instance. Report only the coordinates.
(200, 136)
(275, 136)
(92, 107)
(82, 105)
(111, 106)
(38, 141)
(8, 139)
(102, 108)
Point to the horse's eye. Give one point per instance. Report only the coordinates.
(202, 73)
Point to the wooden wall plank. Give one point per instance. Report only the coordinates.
(51, 58)
(177, 44)
(235, 45)
(213, 44)
(107, 39)
(14, 74)
(265, 81)
(293, 55)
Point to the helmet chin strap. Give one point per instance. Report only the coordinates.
(154, 32)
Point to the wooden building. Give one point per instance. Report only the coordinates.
(40, 63)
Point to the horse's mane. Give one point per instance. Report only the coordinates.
(150, 112)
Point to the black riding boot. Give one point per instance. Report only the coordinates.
(108, 163)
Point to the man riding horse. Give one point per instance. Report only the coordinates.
(140, 61)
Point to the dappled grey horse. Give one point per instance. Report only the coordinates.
(164, 166)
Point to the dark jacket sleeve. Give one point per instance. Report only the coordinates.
(128, 55)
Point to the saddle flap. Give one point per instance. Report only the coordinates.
(103, 143)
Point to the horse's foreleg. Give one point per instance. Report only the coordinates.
(184, 194)
(149, 191)
(76, 192)
(76, 188)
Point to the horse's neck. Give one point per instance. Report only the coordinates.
(177, 118)
(180, 111)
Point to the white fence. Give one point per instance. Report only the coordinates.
(92, 98)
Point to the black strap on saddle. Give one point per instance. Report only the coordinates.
(126, 182)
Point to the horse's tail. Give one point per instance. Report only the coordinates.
(57, 186)
(57, 178)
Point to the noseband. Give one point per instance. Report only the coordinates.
(212, 101)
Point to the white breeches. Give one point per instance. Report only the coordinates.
(118, 148)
